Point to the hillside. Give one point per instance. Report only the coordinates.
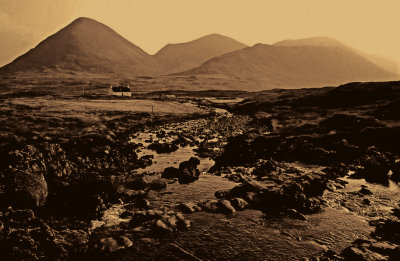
(86, 45)
(382, 62)
(294, 66)
(184, 56)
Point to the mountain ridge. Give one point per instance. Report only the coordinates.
(293, 66)
(385, 63)
(88, 46)
(183, 56)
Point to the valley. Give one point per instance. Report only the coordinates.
(278, 174)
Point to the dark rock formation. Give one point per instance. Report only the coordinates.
(186, 173)
(24, 190)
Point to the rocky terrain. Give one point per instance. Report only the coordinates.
(306, 174)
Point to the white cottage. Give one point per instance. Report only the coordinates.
(121, 90)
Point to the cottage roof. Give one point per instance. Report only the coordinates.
(120, 89)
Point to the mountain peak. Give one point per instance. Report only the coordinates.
(86, 45)
(311, 41)
(183, 56)
(83, 19)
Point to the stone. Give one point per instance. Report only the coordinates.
(365, 191)
(209, 206)
(160, 226)
(295, 214)
(158, 184)
(366, 201)
(375, 166)
(239, 203)
(226, 207)
(25, 190)
(383, 247)
(170, 173)
(109, 245)
(187, 207)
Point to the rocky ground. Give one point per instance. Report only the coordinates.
(282, 176)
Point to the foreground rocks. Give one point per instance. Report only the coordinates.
(27, 237)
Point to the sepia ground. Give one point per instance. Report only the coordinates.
(203, 175)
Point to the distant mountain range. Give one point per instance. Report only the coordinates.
(385, 63)
(86, 45)
(279, 66)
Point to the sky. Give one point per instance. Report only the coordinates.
(372, 26)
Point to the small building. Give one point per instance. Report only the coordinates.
(121, 90)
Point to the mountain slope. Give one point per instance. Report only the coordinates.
(294, 66)
(382, 62)
(86, 45)
(184, 56)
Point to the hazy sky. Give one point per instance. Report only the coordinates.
(370, 26)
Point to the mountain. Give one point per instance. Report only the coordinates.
(86, 45)
(382, 62)
(184, 56)
(279, 66)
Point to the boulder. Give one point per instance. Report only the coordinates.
(365, 191)
(225, 207)
(375, 166)
(145, 161)
(158, 184)
(170, 173)
(110, 244)
(188, 207)
(25, 190)
(161, 226)
(396, 172)
(239, 203)
(210, 206)
(188, 171)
